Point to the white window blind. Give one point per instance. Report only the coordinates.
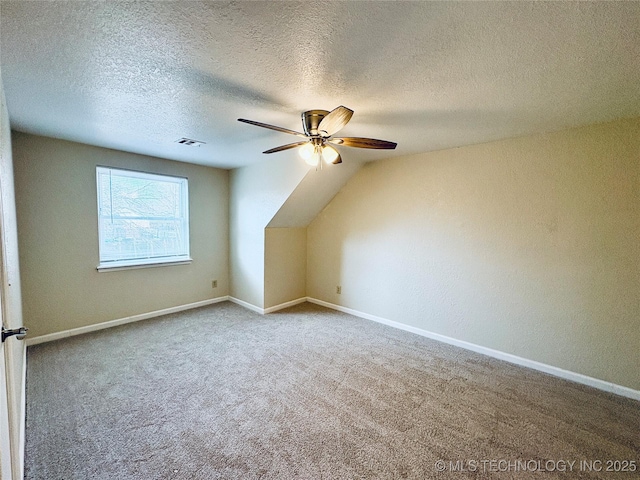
(143, 218)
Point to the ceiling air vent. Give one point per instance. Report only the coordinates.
(190, 142)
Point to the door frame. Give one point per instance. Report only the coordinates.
(5, 436)
(6, 389)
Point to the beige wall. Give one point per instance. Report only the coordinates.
(285, 265)
(57, 227)
(530, 246)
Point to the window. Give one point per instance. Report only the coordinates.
(143, 219)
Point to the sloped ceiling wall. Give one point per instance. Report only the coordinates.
(312, 194)
(278, 193)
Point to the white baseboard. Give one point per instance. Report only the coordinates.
(524, 362)
(165, 311)
(550, 369)
(263, 311)
(284, 305)
(247, 305)
(121, 321)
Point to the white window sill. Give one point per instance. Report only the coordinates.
(112, 267)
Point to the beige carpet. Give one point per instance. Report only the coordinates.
(309, 393)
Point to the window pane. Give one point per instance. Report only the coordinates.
(141, 216)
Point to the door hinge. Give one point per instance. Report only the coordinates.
(20, 333)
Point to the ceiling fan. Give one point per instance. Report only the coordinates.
(319, 127)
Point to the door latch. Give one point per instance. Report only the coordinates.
(20, 333)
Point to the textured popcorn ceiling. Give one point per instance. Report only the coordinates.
(137, 76)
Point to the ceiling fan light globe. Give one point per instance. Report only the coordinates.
(314, 160)
(306, 151)
(329, 154)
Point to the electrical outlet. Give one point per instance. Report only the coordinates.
(214, 284)
(339, 290)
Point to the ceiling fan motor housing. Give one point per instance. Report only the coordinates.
(311, 119)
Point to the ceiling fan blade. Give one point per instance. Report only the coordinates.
(337, 160)
(364, 143)
(334, 121)
(285, 147)
(272, 127)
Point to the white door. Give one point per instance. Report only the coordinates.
(12, 352)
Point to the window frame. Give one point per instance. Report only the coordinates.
(145, 262)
